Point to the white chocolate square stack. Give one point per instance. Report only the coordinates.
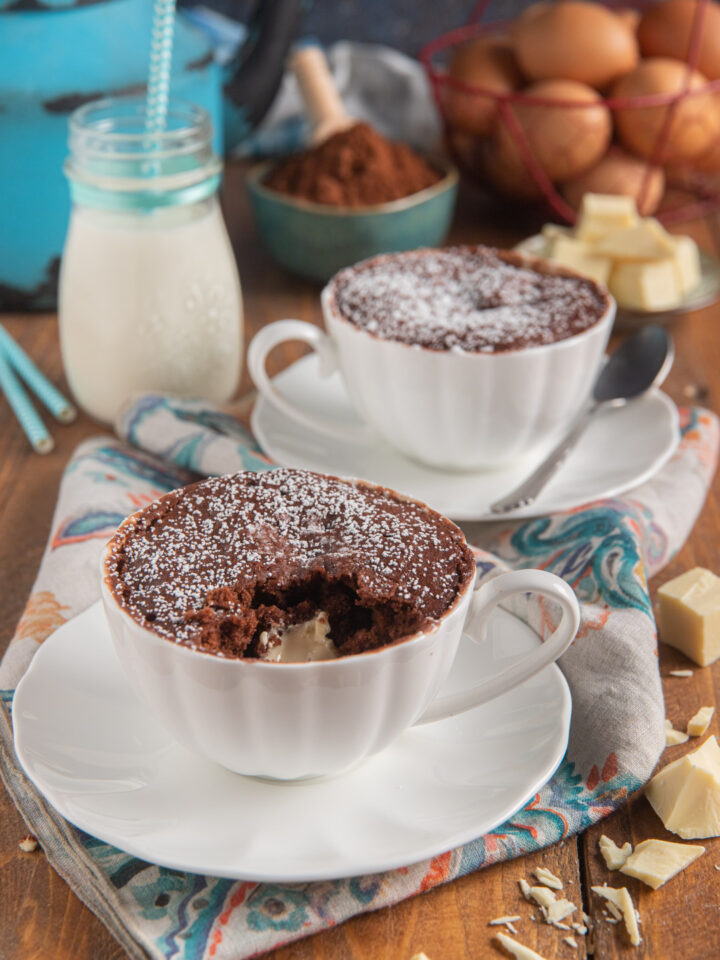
(643, 266)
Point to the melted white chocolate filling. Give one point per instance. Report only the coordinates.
(299, 642)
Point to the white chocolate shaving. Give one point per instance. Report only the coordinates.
(549, 879)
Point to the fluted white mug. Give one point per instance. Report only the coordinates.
(450, 409)
(291, 721)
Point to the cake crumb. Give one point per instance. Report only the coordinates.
(28, 844)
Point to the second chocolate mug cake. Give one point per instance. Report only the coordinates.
(473, 298)
(462, 358)
(214, 593)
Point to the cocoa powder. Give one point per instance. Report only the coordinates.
(354, 168)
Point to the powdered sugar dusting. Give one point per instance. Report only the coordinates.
(207, 544)
(474, 298)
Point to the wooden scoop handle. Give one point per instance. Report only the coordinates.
(322, 100)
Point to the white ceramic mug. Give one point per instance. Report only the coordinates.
(446, 408)
(297, 720)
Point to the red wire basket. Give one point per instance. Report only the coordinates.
(689, 192)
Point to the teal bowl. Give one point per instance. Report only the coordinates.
(316, 240)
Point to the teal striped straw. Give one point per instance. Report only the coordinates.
(31, 423)
(21, 363)
(161, 48)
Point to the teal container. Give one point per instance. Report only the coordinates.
(316, 240)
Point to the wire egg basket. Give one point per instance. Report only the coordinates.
(688, 192)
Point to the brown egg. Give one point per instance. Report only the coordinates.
(695, 122)
(619, 172)
(465, 148)
(574, 41)
(709, 161)
(666, 28)
(506, 171)
(564, 140)
(489, 64)
(629, 17)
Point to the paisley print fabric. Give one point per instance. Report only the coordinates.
(605, 550)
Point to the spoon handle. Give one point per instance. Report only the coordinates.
(528, 491)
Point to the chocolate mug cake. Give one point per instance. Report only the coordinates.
(286, 565)
(474, 298)
(361, 594)
(464, 358)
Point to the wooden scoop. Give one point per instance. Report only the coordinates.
(322, 100)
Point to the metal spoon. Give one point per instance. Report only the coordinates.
(639, 363)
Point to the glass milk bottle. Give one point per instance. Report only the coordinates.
(149, 295)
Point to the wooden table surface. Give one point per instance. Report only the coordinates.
(41, 918)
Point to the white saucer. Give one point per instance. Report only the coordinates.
(619, 450)
(99, 757)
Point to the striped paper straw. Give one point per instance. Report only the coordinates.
(56, 403)
(31, 423)
(161, 49)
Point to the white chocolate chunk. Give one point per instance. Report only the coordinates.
(517, 950)
(580, 929)
(499, 921)
(570, 941)
(686, 259)
(698, 724)
(681, 673)
(686, 793)
(524, 888)
(549, 879)
(559, 910)
(419, 956)
(645, 285)
(657, 861)
(542, 896)
(672, 736)
(614, 912)
(552, 909)
(647, 240)
(601, 213)
(613, 855)
(553, 230)
(689, 615)
(622, 901)
(576, 255)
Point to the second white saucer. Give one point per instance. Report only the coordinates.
(619, 450)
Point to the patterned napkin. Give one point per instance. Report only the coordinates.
(605, 550)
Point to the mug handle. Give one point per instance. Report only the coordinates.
(278, 332)
(484, 601)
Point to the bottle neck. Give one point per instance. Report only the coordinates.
(116, 163)
(107, 195)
